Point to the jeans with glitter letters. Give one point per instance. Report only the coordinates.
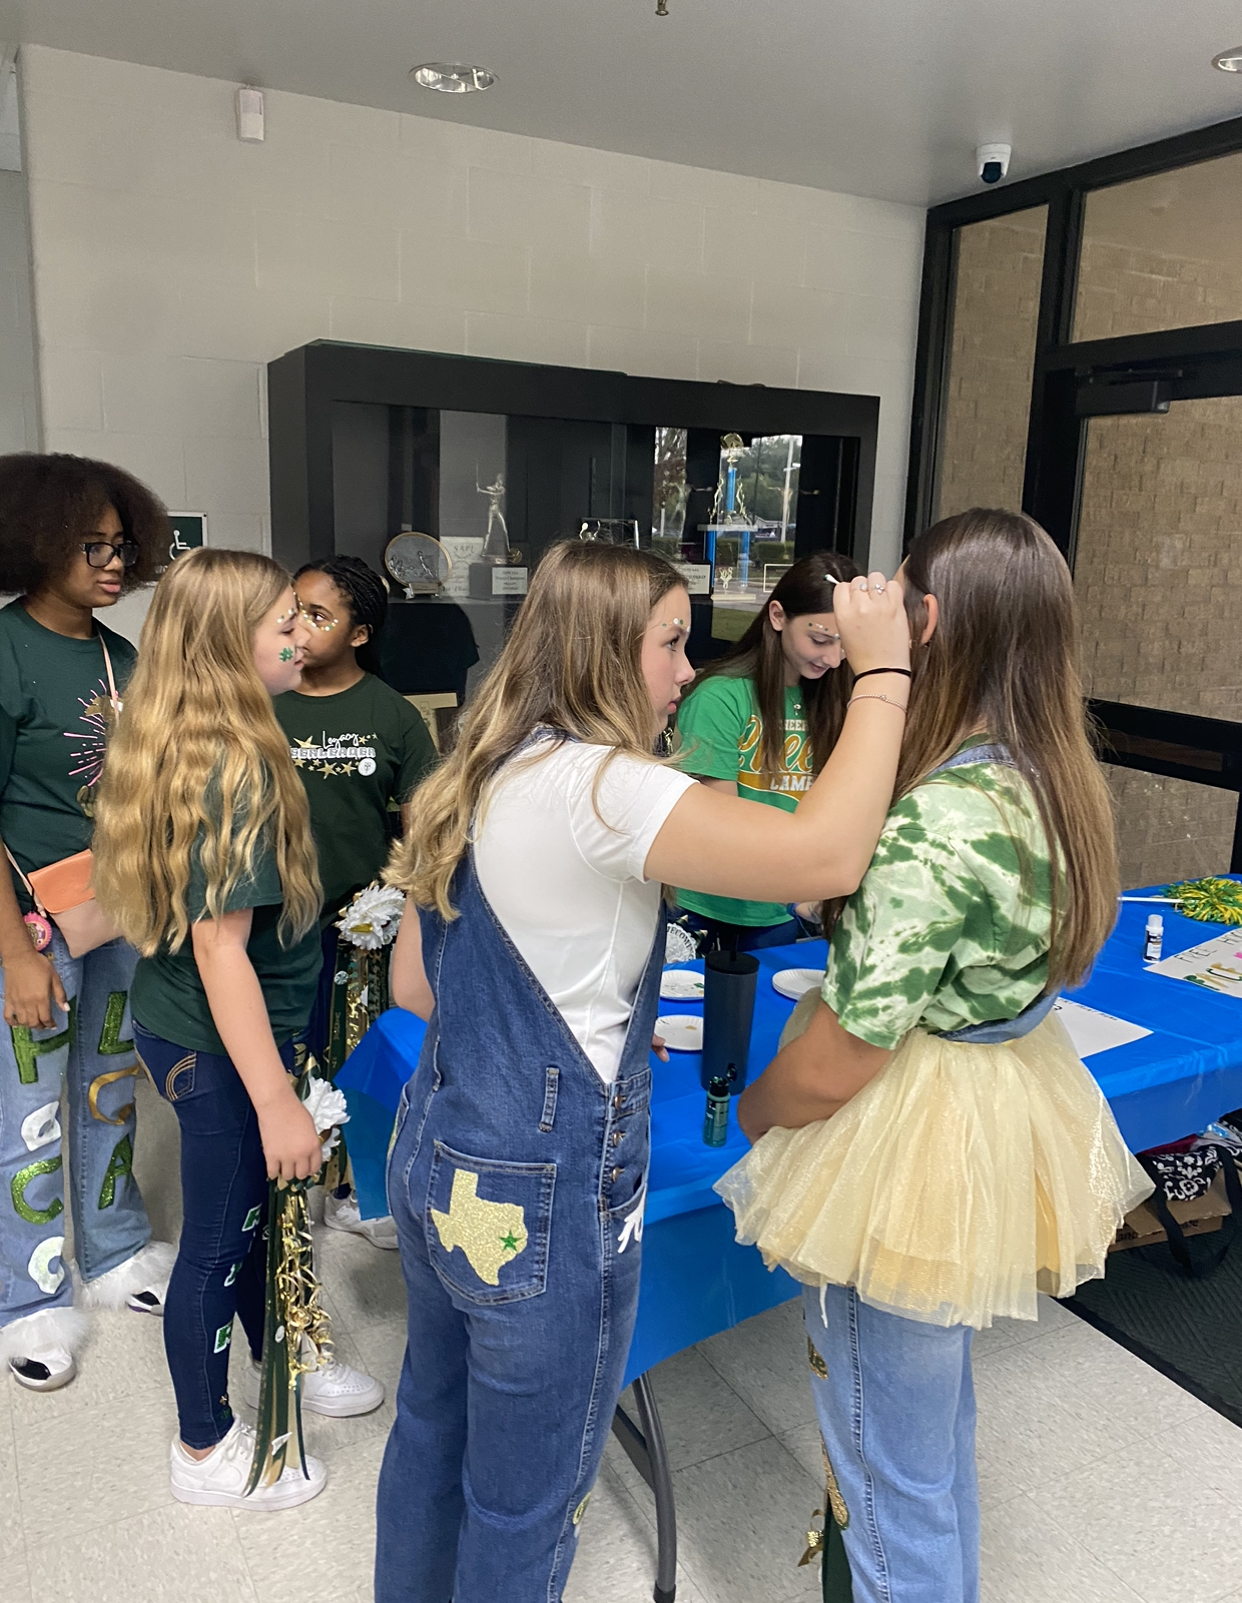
(90, 1051)
(517, 1181)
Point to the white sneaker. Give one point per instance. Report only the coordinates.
(333, 1389)
(44, 1368)
(219, 1480)
(342, 1213)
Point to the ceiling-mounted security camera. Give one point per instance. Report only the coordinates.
(992, 162)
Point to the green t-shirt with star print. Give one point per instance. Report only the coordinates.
(357, 751)
(720, 726)
(951, 925)
(55, 718)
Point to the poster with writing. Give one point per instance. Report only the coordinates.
(1216, 965)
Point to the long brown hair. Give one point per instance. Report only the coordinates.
(572, 663)
(1004, 661)
(198, 754)
(807, 587)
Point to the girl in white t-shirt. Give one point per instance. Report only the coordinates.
(534, 859)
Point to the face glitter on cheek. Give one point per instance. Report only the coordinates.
(286, 654)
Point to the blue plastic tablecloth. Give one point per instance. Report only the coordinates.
(696, 1280)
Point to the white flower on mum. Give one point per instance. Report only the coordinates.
(372, 918)
(325, 1104)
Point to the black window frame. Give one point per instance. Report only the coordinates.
(1186, 363)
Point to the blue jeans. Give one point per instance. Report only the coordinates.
(897, 1414)
(92, 1051)
(220, 1268)
(517, 1181)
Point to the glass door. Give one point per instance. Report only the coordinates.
(1157, 559)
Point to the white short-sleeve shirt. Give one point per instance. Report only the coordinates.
(564, 873)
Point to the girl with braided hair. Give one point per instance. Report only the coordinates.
(360, 748)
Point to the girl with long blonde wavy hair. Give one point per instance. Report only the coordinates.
(204, 857)
(533, 942)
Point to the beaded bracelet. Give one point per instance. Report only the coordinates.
(900, 705)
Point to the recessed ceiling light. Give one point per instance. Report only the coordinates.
(451, 78)
(1229, 60)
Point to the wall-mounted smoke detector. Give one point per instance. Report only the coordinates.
(1229, 60)
(451, 78)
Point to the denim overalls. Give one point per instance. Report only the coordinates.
(517, 1180)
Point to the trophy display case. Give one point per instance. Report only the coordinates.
(454, 474)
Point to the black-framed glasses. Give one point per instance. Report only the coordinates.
(99, 553)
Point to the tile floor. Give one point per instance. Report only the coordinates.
(1102, 1481)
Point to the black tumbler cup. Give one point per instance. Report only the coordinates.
(728, 1008)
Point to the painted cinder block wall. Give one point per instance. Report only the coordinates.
(172, 263)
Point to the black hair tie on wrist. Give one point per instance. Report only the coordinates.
(866, 674)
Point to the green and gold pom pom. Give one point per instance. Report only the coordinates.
(1211, 900)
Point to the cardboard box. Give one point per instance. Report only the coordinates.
(1197, 1218)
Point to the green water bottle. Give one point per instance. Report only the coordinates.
(716, 1119)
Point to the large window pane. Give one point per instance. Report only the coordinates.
(1156, 564)
(1169, 829)
(1157, 561)
(1162, 252)
(988, 394)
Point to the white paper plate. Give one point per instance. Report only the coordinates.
(796, 982)
(681, 985)
(682, 1032)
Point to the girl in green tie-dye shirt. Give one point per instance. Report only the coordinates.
(930, 1152)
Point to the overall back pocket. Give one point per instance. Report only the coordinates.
(488, 1225)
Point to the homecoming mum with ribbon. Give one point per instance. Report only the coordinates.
(75, 535)
(533, 859)
(930, 1153)
(205, 858)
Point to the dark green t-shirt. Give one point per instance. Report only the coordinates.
(55, 715)
(356, 751)
(167, 996)
(720, 729)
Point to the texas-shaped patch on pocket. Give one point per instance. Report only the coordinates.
(489, 1224)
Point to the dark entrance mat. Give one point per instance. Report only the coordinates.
(1188, 1329)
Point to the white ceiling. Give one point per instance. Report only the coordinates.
(876, 97)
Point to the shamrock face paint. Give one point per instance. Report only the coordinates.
(280, 640)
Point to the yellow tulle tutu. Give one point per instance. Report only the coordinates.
(956, 1185)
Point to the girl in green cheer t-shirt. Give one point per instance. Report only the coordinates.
(74, 536)
(361, 749)
(762, 721)
(204, 856)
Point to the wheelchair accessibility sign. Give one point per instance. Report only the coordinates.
(189, 531)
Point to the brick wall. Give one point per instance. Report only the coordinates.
(1168, 829)
(988, 397)
(1157, 571)
(1122, 290)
